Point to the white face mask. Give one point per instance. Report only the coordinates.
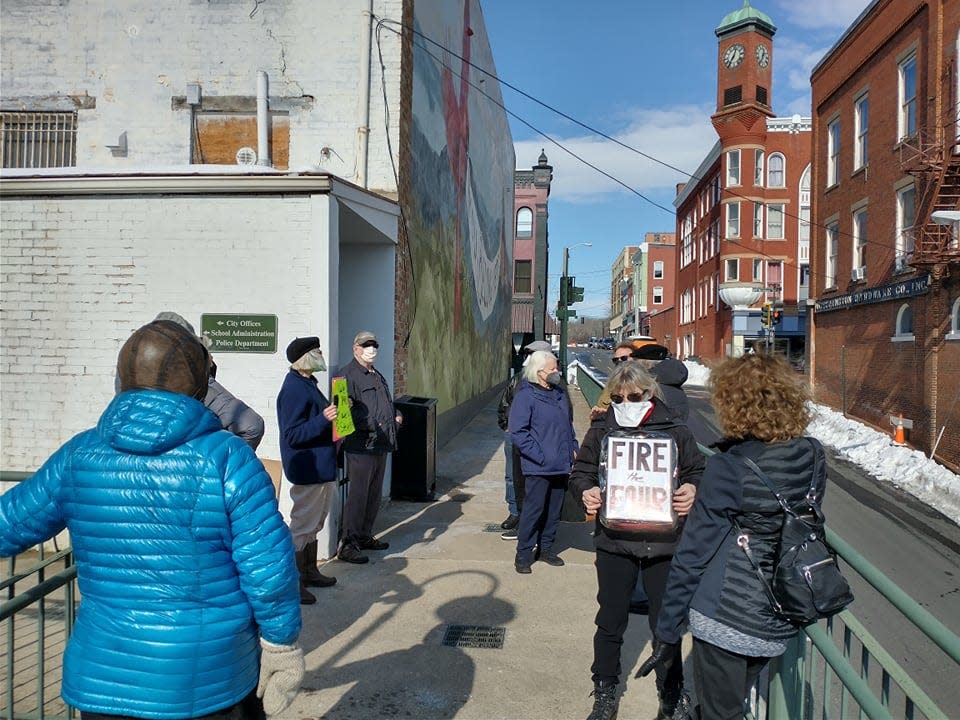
(316, 361)
(631, 414)
(368, 354)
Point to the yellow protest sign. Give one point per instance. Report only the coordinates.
(343, 424)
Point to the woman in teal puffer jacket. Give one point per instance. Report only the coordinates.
(184, 564)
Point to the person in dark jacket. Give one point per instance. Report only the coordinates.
(761, 404)
(376, 421)
(309, 456)
(670, 375)
(635, 405)
(185, 567)
(543, 434)
(509, 456)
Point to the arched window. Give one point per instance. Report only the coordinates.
(904, 325)
(954, 333)
(776, 171)
(524, 222)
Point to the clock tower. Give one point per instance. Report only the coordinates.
(744, 74)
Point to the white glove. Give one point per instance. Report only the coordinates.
(281, 672)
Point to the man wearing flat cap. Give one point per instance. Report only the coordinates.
(366, 449)
(309, 455)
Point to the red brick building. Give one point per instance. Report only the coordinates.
(655, 275)
(885, 333)
(743, 219)
(531, 191)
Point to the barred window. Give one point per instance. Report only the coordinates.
(38, 139)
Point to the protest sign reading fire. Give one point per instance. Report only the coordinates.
(637, 479)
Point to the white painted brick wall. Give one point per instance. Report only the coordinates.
(79, 275)
(134, 56)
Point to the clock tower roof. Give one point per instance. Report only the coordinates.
(744, 17)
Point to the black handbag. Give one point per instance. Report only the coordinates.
(807, 584)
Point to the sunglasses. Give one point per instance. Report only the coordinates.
(632, 397)
(617, 360)
(370, 343)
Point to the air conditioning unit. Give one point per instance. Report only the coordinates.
(858, 274)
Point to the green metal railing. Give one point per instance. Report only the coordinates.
(800, 684)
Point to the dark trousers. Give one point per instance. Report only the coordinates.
(250, 708)
(363, 495)
(723, 680)
(616, 580)
(540, 514)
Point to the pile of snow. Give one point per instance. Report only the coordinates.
(876, 453)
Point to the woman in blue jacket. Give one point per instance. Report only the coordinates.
(184, 564)
(541, 430)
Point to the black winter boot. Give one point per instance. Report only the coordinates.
(606, 704)
(306, 597)
(311, 576)
(669, 699)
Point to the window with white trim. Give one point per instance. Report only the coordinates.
(833, 153)
(907, 97)
(657, 295)
(954, 333)
(906, 217)
(860, 238)
(861, 124)
(832, 255)
(733, 167)
(757, 220)
(758, 168)
(686, 248)
(657, 269)
(715, 190)
(733, 220)
(757, 270)
(775, 221)
(38, 139)
(524, 222)
(903, 327)
(686, 306)
(732, 269)
(776, 171)
(713, 290)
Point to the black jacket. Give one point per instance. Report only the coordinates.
(374, 415)
(671, 375)
(585, 475)
(710, 572)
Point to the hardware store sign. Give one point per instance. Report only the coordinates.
(240, 333)
(883, 293)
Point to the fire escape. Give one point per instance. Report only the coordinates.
(933, 158)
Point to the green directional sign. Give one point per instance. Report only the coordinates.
(240, 333)
(566, 314)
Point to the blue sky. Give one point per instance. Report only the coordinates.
(644, 72)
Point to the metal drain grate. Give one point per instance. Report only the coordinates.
(492, 527)
(474, 636)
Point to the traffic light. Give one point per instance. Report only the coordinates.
(766, 315)
(777, 315)
(569, 293)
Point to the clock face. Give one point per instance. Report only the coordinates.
(763, 56)
(733, 56)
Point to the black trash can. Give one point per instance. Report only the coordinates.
(414, 469)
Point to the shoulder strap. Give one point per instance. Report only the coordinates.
(768, 482)
(743, 542)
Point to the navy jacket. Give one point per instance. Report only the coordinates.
(671, 375)
(541, 430)
(306, 437)
(710, 572)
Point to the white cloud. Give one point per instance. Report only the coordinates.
(680, 136)
(837, 14)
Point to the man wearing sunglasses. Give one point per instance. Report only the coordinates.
(376, 421)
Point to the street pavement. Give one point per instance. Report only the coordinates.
(374, 642)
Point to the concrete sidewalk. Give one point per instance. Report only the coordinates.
(374, 642)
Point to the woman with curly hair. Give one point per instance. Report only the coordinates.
(761, 405)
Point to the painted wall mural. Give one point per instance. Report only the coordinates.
(459, 208)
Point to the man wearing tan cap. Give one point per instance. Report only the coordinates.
(366, 449)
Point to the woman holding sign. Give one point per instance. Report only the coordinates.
(309, 456)
(639, 450)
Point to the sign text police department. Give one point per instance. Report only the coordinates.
(883, 293)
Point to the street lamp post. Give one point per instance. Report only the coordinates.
(562, 303)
